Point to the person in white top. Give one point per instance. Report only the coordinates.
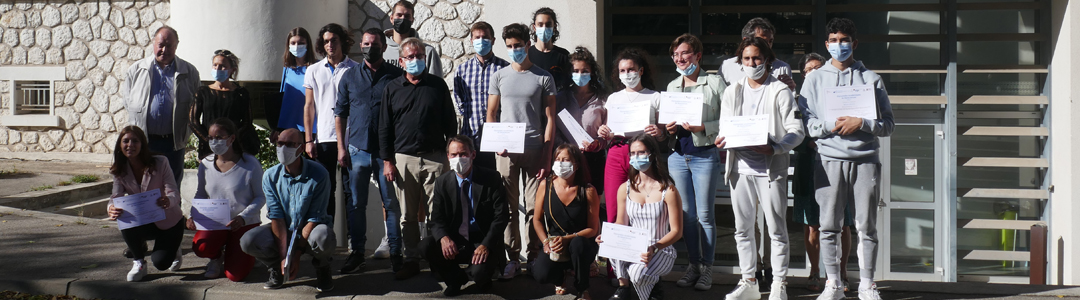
(758, 174)
(320, 85)
(229, 174)
(759, 27)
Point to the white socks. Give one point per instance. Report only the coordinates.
(865, 283)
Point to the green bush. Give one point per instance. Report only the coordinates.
(267, 156)
(84, 178)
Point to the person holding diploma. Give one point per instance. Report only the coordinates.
(566, 219)
(136, 169)
(758, 174)
(695, 165)
(522, 93)
(585, 102)
(296, 190)
(848, 168)
(651, 201)
(236, 176)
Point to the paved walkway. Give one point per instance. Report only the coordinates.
(46, 253)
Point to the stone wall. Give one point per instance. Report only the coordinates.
(443, 24)
(95, 41)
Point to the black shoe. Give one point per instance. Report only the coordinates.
(354, 263)
(396, 263)
(482, 287)
(452, 290)
(324, 280)
(277, 279)
(408, 270)
(657, 293)
(623, 293)
(766, 281)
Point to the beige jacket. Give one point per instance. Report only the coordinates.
(136, 93)
(785, 129)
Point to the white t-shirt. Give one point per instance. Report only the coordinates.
(625, 96)
(323, 81)
(732, 70)
(750, 162)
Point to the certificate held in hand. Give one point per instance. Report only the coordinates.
(681, 108)
(211, 214)
(850, 101)
(623, 242)
(573, 129)
(139, 209)
(628, 117)
(744, 131)
(503, 136)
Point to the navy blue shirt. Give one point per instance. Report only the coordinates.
(359, 99)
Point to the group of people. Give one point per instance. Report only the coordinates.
(391, 118)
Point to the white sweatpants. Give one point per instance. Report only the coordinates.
(748, 192)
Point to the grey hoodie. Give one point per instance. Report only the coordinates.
(860, 146)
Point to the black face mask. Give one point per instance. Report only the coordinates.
(402, 25)
(372, 54)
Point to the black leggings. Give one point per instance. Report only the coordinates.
(582, 253)
(166, 242)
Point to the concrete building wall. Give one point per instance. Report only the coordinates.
(1064, 71)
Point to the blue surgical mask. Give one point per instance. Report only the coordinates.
(482, 46)
(581, 79)
(220, 75)
(415, 67)
(544, 34)
(518, 55)
(840, 51)
(640, 162)
(298, 50)
(689, 70)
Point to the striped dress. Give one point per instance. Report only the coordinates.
(654, 218)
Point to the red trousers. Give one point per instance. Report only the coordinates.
(209, 244)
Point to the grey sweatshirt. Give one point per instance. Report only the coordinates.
(860, 146)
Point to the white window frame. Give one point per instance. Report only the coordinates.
(17, 74)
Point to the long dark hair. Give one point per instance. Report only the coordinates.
(120, 162)
(581, 168)
(229, 127)
(640, 58)
(309, 56)
(551, 14)
(343, 35)
(763, 48)
(659, 166)
(583, 54)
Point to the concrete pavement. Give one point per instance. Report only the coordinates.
(44, 253)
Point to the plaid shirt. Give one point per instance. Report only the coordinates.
(471, 92)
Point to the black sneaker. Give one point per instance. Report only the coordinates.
(324, 280)
(623, 293)
(354, 263)
(277, 279)
(396, 263)
(767, 278)
(452, 290)
(408, 270)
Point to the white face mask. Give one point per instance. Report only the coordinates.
(754, 73)
(219, 146)
(460, 164)
(563, 169)
(630, 79)
(287, 155)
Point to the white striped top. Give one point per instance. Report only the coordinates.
(650, 216)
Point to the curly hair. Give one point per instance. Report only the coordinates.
(343, 35)
(583, 54)
(640, 58)
(547, 11)
(763, 48)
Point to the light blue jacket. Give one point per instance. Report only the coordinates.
(300, 199)
(860, 146)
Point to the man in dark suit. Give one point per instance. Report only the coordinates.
(468, 216)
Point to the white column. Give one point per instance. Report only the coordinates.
(1064, 226)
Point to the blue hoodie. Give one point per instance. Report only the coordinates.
(860, 146)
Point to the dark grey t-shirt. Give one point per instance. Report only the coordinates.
(521, 96)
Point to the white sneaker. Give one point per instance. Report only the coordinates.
(746, 290)
(832, 291)
(690, 277)
(178, 261)
(214, 268)
(512, 269)
(870, 293)
(778, 290)
(383, 252)
(704, 282)
(138, 270)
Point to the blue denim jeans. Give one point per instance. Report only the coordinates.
(364, 166)
(165, 148)
(696, 176)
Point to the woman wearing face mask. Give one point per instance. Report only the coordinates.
(648, 200)
(585, 102)
(695, 164)
(296, 59)
(237, 177)
(223, 99)
(566, 218)
(136, 170)
(544, 53)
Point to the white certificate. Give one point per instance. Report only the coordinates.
(503, 136)
(742, 131)
(854, 101)
(211, 214)
(623, 242)
(139, 209)
(681, 107)
(628, 117)
(573, 129)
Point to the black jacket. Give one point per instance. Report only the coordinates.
(491, 210)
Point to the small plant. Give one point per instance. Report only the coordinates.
(12, 171)
(84, 178)
(267, 156)
(63, 183)
(41, 188)
(191, 153)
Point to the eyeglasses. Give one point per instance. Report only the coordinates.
(415, 57)
(682, 54)
(223, 52)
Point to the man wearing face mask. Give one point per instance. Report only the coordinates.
(848, 167)
(401, 15)
(522, 93)
(731, 68)
(416, 118)
(471, 87)
(468, 216)
(297, 190)
(359, 98)
(544, 53)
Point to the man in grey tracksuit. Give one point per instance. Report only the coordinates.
(848, 166)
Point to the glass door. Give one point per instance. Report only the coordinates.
(910, 242)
